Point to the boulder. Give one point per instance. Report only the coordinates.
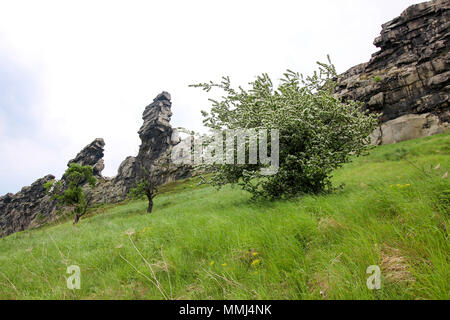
(408, 127)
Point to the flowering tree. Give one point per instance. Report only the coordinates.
(317, 131)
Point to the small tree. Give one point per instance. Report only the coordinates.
(317, 131)
(69, 192)
(145, 187)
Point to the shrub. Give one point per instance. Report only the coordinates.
(69, 192)
(317, 131)
(145, 187)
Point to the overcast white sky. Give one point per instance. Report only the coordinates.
(74, 71)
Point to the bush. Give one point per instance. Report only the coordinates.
(145, 187)
(317, 131)
(69, 192)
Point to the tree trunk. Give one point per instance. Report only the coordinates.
(150, 193)
(77, 218)
(150, 205)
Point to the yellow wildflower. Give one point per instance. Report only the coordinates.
(255, 253)
(224, 264)
(255, 262)
(212, 263)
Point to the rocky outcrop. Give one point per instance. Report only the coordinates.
(113, 190)
(407, 80)
(153, 159)
(158, 139)
(92, 155)
(408, 127)
(28, 208)
(31, 206)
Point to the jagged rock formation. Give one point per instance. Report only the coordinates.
(158, 139)
(407, 80)
(154, 158)
(31, 206)
(92, 155)
(28, 208)
(113, 190)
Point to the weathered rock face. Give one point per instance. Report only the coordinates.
(408, 76)
(28, 208)
(31, 207)
(154, 158)
(113, 190)
(92, 155)
(158, 139)
(408, 127)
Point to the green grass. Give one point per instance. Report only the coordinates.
(392, 211)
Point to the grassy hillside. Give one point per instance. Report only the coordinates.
(200, 243)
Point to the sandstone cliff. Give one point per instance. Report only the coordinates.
(407, 80)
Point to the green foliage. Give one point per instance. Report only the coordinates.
(146, 186)
(377, 79)
(318, 132)
(138, 192)
(69, 190)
